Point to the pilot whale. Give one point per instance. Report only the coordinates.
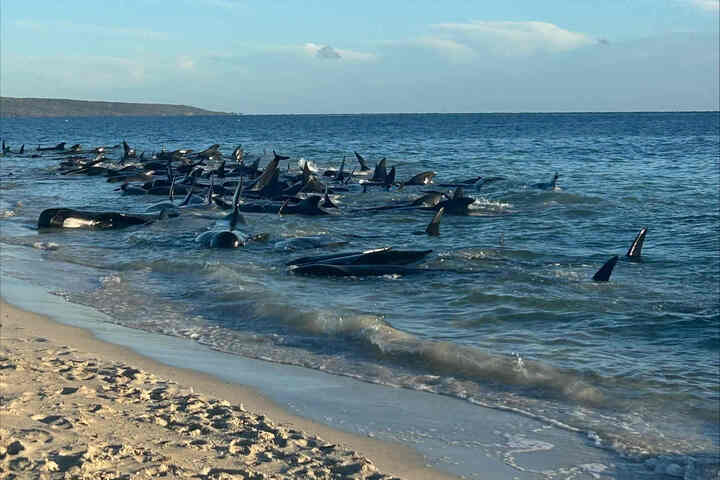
(59, 146)
(378, 256)
(355, 270)
(71, 218)
(229, 238)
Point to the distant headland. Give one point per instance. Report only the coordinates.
(55, 107)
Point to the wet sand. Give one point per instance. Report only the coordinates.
(76, 407)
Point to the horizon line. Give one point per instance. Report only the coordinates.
(510, 112)
(494, 112)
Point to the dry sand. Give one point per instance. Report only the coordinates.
(73, 407)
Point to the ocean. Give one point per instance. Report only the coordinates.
(502, 314)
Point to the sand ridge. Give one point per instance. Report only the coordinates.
(74, 415)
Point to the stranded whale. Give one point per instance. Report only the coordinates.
(71, 218)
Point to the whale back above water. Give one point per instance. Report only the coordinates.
(71, 218)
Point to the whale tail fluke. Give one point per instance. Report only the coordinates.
(603, 275)
(635, 250)
(164, 215)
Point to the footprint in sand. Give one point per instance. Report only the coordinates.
(55, 421)
(19, 464)
(35, 436)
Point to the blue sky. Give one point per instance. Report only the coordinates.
(367, 56)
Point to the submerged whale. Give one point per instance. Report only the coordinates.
(551, 185)
(423, 178)
(59, 146)
(378, 256)
(355, 270)
(458, 204)
(222, 239)
(229, 238)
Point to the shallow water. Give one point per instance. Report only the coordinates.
(506, 316)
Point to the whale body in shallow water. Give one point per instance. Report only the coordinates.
(354, 270)
(379, 256)
(71, 218)
(222, 239)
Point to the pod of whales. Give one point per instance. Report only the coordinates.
(267, 191)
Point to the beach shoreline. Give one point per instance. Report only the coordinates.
(76, 402)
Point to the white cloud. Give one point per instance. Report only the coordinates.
(328, 52)
(322, 51)
(708, 5)
(446, 46)
(510, 38)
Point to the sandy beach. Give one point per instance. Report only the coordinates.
(77, 407)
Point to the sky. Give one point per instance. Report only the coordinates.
(369, 56)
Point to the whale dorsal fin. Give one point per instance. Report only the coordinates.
(282, 207)
(361, 160)
(326, 199)
(279, 157)
(603, 275)
(433, 229)
(189, 193)
(635, 249)
(306, 172)
(342, 169)
(186, 200)
(390, 178)
(380, 171)
(234, 218)
(237, 194)
(459, 193)
(266, 178)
